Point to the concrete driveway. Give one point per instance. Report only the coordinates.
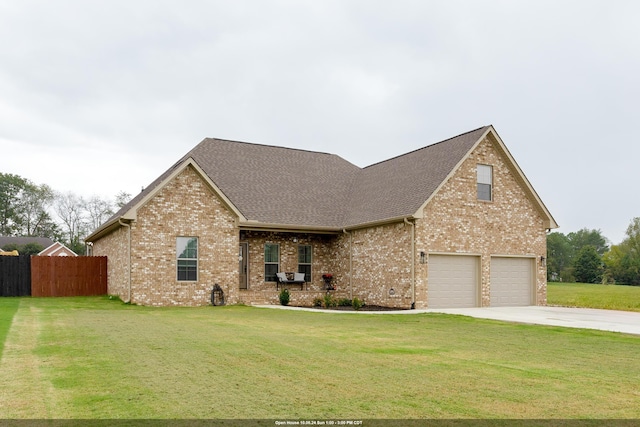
(587, 318)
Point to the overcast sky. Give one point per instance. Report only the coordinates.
(98, 97)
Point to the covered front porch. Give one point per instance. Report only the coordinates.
(356, 269)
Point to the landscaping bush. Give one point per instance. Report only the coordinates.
(344, 302)
(285, 297)
(329, 301)
(357, 303)
(317, 302)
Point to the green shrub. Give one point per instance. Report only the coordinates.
(317, 302)
(344, 302)
(357, 303)
(284, 297)
(329, 301)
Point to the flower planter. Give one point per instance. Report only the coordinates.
(327, 282)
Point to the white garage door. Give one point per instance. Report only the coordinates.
(511, 281)
(453, 281)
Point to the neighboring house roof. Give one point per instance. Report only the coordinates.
(21, 241)
(57, 249)
(278, 187)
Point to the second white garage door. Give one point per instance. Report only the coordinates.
(511, 281)
(453, 281)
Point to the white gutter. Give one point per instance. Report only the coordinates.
(128, 255)
(413, 262)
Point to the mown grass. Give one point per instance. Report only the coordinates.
(8, 307)
(610, 297)
(95, 358)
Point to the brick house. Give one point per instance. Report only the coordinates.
(454, 224)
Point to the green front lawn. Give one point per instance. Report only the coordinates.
(610, 297)
(8, 307)
(96, 358)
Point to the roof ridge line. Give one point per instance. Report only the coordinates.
(269, 146)
(426, 146)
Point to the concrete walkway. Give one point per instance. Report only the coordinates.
(587, 318)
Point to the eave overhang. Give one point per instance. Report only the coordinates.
(293, 228)
(132, 214)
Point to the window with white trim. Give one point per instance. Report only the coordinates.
(187, 259)
(485, 182)
(271, 261)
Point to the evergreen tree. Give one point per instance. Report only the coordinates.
(588, 265)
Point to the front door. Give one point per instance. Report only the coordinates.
(243, 256)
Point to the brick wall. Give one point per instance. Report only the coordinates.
(380, 264)
(456, 221)
(115, 246)
(184, 207)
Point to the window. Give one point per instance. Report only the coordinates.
(304, 261)
(271, 261)
(187, 256)
(485, 182)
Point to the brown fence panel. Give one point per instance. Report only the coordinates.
(53, 276)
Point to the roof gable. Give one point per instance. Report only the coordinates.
(398, 187)
(521, 177)
(57, 249)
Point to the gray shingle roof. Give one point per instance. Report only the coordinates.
(45, 242)
(398, 187)
(277, 185)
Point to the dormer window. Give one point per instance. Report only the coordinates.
(485, 182)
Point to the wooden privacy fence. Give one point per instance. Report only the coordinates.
(15, 276)
(53, 276)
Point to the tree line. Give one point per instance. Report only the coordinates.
(32, 210)
(585, 256)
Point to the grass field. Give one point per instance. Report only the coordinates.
(8, 307)
(611, 297)
(97, 358)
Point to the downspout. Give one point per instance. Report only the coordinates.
(125, 224)
(413, 263)
(344, 230)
